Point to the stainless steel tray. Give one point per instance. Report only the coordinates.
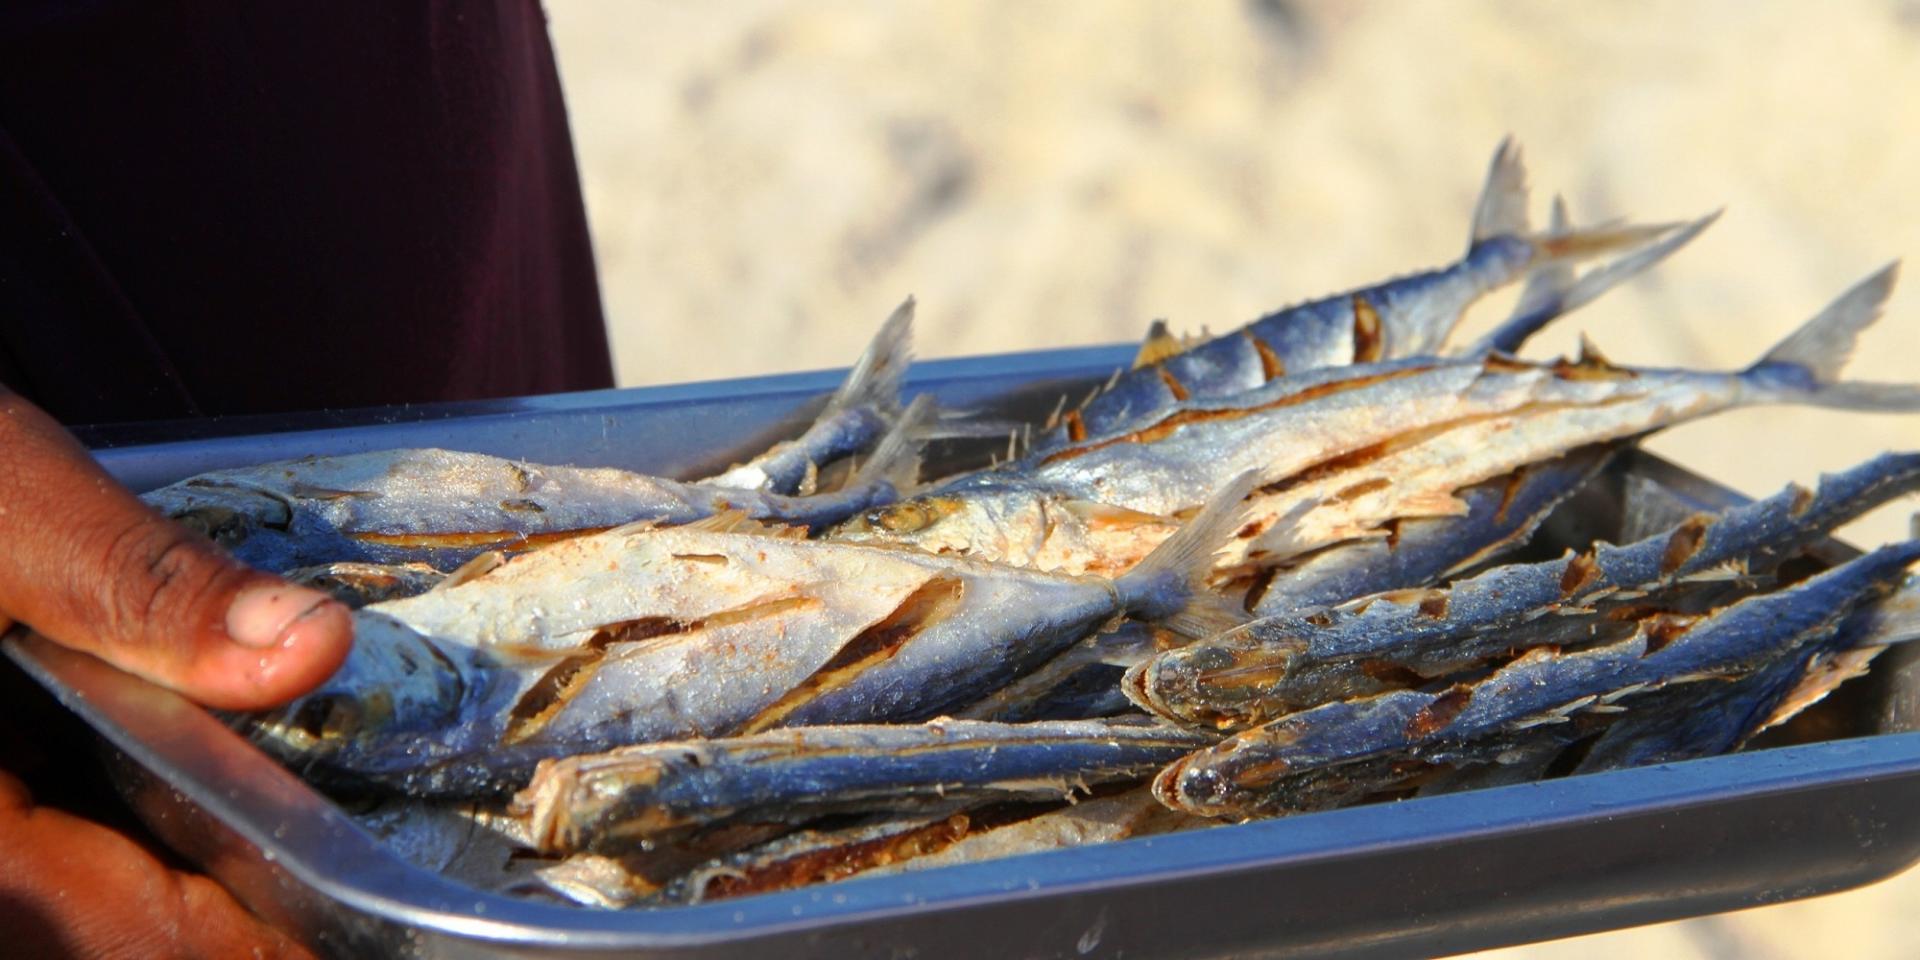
(1425, 876)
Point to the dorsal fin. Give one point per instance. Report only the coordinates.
(1160, 343)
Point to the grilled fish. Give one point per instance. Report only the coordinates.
(1282, 664)
(645, 794)
(443, 507)
(1403, 317)
(1342, 453)
(1349, 749)
(647, 634)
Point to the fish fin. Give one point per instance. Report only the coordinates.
(1160, 343)
(1205, 616)
(1502, 207)
(875, 377)
(1175, 574)
(1805, 366)
(1553, 291)
(896, 459)
(740, 522)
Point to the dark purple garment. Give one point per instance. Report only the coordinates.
(241, 207)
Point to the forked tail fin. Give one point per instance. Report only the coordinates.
(896, 458)
(1805, 367)
(1553, 289)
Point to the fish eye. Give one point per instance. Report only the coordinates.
(910, 517)
(326, 718)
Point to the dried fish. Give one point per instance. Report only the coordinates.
(1352, 748)
(1404, 317)
(1343, 453)
(443, 507)
(1279, 665)
(647, 794)
(1500, 515)
(640, 635)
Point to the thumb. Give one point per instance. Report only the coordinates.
(91, 567)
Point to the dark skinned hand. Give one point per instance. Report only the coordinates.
(86, 564)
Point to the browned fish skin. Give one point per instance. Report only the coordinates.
(644, 794)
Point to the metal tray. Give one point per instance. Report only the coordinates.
(1424, 876)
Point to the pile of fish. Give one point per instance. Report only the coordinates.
(1254, 575)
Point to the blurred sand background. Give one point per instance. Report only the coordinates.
(767, 178)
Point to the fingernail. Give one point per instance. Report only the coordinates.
(261, 614)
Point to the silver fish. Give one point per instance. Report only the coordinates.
(443, 507)
(639, 635)
(1717, 721)
(1404, 317)
(1279, 665)
(1343, 452)
(1349, 749)
(646, 794)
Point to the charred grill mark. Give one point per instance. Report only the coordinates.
(1271, 366)
(1257, 591)
(707, 559)
(1683, 543)
(1582, 570)
(1434, 607)
(1435, 716)
(1663, 629)
(1174, 386)
(1802, 502)
(1165, 426)
(1390, 674)
(1367, 343)
(1503, 363)
(558, 685)
(838, 863)
(1076, 427)
(1361, 489)
(1509, 493)
(932, 602)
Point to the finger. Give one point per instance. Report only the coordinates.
(69, 887)
(87, 564)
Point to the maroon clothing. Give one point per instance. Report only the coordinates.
(242, 207)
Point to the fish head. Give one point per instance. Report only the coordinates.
(395, 687)
(227, 514)
(608, 799)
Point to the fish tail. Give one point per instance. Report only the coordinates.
(875, 377)
(1553, 289)
(1805, 367)
(896, 459)
(1502, 207)
(1170, 584)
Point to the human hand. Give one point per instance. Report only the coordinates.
(89, 566)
